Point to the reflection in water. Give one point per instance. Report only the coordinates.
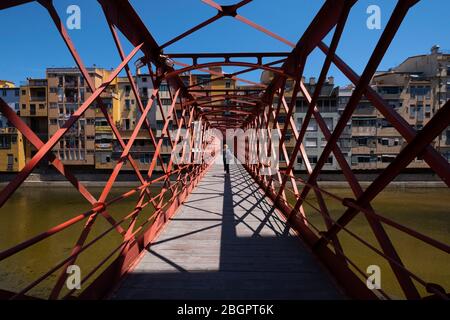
(34, 210)
(425, 210)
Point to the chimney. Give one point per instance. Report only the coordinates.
(312, 81)
(331, 80)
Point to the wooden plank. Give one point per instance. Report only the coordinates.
(226, 242)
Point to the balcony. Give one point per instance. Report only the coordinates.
(103, 129)
(365, 111)
(388, 149)
(104, 146)
(71, 84)
(9, 130)
(363, 150)
(34, 83)
(38, 98)
(364, 131)
(364, 166)
(71, 99)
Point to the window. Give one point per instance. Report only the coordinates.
(387, 158)
(362, 142)
(384, 141)
(312, 125)
(24, 106)
(362, 122)
(127, 90)
(227, 84)
(383, 123)
(329, 123)
(166, 102)
(419, 111)
(420, 91)
(144, 79)
(312, 159)
(298, 105)
(16, 92)
(53, 121)
(41, 106)
(363, 159)
(145, 158)
(323, 142)
(412, 111)
(389, 90)
(5, 142)
(311, 142)
(127, 104)
(427, 111)
(165, 158)
(82, 92)
(24, 92)
(4, 92)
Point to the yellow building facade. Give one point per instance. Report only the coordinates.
(12, 153)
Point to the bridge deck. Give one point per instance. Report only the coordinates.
(226, 242)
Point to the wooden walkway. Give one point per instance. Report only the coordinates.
(226, 242)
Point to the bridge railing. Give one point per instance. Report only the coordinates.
(259, 107)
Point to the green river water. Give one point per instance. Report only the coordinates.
(34, 210)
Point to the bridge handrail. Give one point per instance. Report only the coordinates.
(435, 243)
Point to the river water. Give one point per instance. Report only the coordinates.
(33, 210)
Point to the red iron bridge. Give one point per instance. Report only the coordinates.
(244, 235)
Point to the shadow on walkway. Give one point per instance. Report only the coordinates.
(227, 243)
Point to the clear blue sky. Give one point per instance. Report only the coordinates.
(30, 42)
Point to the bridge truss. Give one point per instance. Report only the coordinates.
(259, 109)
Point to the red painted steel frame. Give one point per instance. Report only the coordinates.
(258, 107)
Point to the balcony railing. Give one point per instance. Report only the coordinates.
(9, 130)
(38, 98)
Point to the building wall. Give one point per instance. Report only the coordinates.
(416, 90)
(11, 96)
(12, 153)
(126, 115)
(67, 92)
(34, 111)
(314, 140)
